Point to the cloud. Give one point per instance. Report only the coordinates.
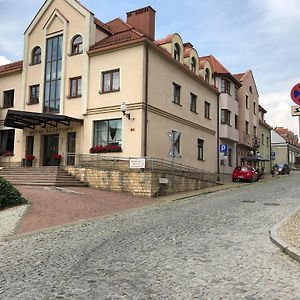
(4, 60)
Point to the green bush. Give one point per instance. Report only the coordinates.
(9, 196)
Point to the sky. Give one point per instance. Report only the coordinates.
(261, 35)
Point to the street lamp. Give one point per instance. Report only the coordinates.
(124, 110)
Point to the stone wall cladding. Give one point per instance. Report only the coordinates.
(143, 183)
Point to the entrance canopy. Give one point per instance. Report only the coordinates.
(25, 119)
(254, 159)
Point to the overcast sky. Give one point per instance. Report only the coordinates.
(261, 35)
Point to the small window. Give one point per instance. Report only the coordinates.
(193, 65)
(247, 127)
(267, 141)
(250, 89)
(177, 52)
(254, 130)
(8, 98)
(176, 93)
(34, 95)
(111, 81)
(236, 120)
(200, 147)
(193, 102)
(225, 86)
(207, 110)
(36, 56)
(247, 101)
(236, 96)
(175, 139)
(75, 87)
(263, 139)
(254, 108)
(207, 75)
(77, 45)
(225, 116)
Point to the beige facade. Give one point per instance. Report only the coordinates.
(88, 80)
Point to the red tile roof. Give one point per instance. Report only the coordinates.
(12, 67)
(118, 25)
(239, 76)
(166, 40)
(215, 64)
(102, 25)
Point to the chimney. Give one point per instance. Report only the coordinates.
(143, 20)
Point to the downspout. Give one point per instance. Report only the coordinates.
(218, 136)
(288, 154)
(146, 101)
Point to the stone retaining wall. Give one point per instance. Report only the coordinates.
(146, 184)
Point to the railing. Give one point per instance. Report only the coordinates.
(104, 162)
(5, 155)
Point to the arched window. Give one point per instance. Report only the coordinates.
(193, 64)
(177, 52)
(77, 47)
(36, 56)
(207, 75)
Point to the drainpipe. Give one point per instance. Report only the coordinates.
(146, 101)
(218, 136)
(288, 154)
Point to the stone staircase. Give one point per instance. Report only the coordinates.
(40, 176)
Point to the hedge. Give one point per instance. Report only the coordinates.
(9, 196)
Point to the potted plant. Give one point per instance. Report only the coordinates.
(57, 157)
(29, 158)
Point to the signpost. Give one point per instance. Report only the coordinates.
(295, 96)
(223, 151)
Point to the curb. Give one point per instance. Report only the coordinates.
(292, 251)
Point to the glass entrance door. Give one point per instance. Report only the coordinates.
(71, 148)
(50, 148)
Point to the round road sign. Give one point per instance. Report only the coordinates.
(295, 93)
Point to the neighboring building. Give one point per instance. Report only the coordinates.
(65, 96)
(284, 146)
(248, 122)
(264, 132)
(228, 85)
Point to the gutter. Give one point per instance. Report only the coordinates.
(146, 101)
(218, 135)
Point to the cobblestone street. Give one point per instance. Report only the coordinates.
(213, 246)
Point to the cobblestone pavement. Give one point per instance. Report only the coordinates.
(213, 246)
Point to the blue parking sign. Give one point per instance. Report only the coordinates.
(223, 148)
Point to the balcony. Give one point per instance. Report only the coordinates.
(251, 140)
(255, 142)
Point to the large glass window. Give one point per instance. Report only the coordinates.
(7, 140)
(53, 74)
(108, 132)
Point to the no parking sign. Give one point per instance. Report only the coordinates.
(295, 93)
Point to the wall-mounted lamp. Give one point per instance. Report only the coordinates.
(124, 110)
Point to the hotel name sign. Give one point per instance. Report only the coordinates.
(51, 130)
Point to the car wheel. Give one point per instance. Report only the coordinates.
(233, 180)
(251, 180)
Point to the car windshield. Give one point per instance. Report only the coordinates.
(241, 168)
(280, 165)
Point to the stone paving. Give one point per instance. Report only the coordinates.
(213, 246)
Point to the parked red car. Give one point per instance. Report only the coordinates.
(244, 173)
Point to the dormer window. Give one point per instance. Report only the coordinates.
(193, 65)
(207, 75)
(77, 45)
(36, 56)
(177, 52)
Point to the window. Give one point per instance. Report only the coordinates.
(254, 108)
(236, 122)
(108, 132)
(193, 65)
(225, 116)
(8, 98)
(7, 140)
(230, 157)
(267, 141)
(200, 146)
(254, 130)
(177, 52)
(53, 74)
(236, 95)
(75, 87)
(225, 86)
(193, 102)
(77, 46)
(263, 139)
(247, 101)
(247, 127)
(176, 93)
(250, 89)
(36, 56)
(207, 75)
(207, 110)
(34, 94)
(111, 81)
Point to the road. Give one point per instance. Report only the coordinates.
(214, 246)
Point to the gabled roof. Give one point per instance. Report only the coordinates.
(241, 76)
(102, 26)
(12, 67)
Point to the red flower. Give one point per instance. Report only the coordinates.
(56, 156)
(105, 149)
(29, 157)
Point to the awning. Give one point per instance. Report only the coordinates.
(25, 119)
(254, 159)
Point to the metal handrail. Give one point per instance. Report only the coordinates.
(7, 154)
